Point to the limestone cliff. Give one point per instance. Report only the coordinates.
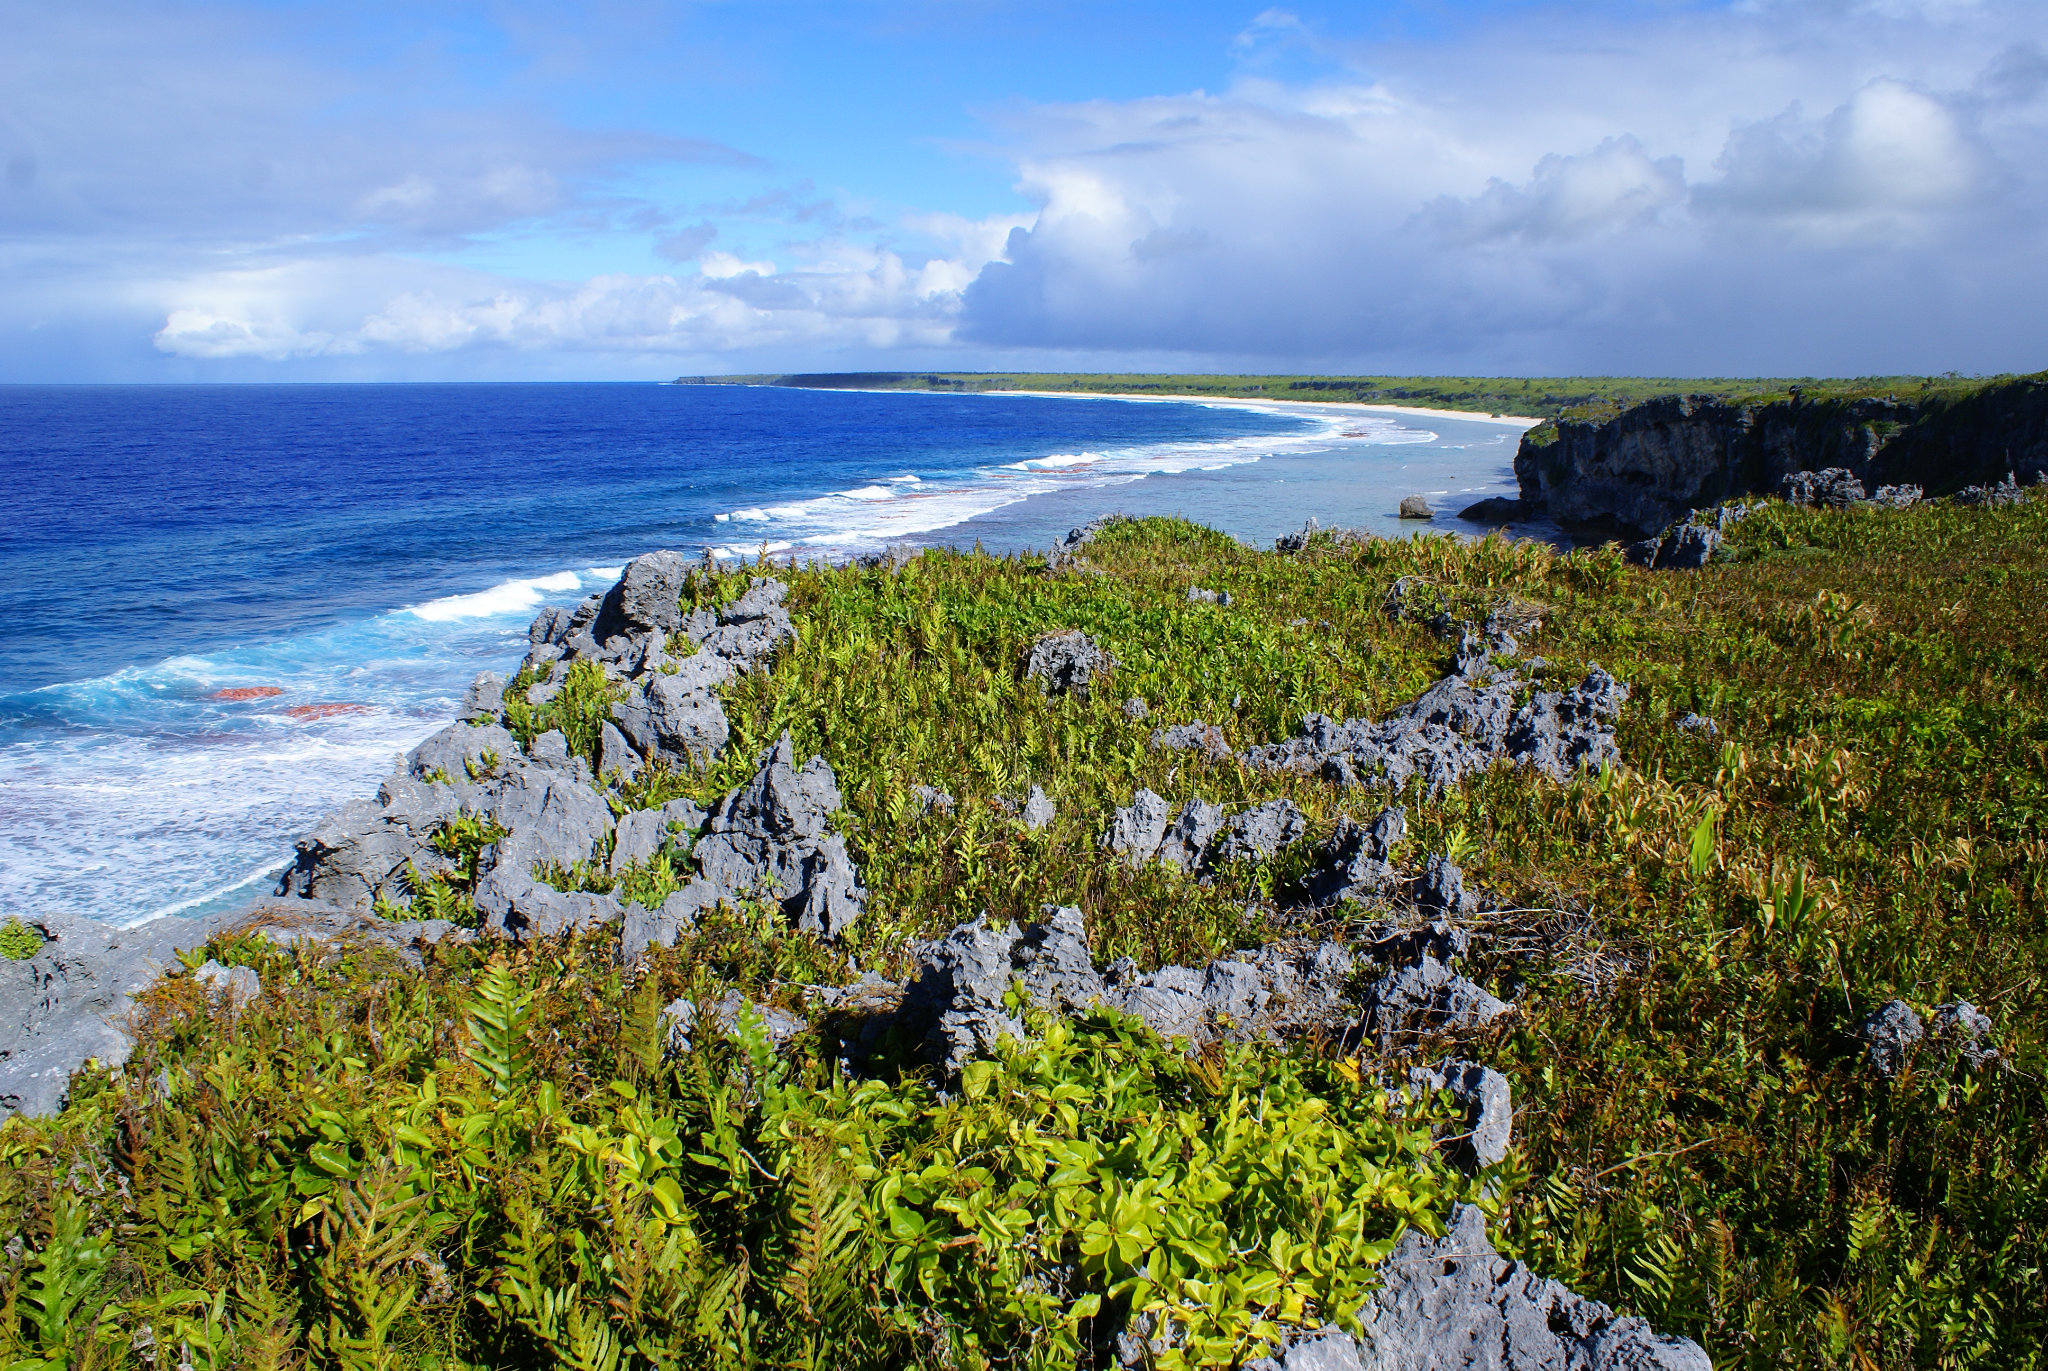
(1632, 474)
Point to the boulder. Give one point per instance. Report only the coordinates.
(1440, 889)
(1185, 844)
(69, 1003)
(770, 834)
(1355, 863)
(1896, 497)
(1460, 726)
(1454, 1304)
(1483, 1094)
(1066, 663)
(1828, 488)
(1423, 999)
(1261, 831)
(1962, 1026)
(1138, 829)
(1889, 1034)
(484, 699)
(1038, 810)
(1206, 739)
(680, 1018)
(1497, 510)
(646, 599)
(1416, 507)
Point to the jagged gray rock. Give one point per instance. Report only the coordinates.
(1185, 843)
(2006, 492)
(1483, 1094)
(679, 1020)
(1260, 831)
(1355, 863)
(668, 720)
(1889, 1034)
(70, 1001)
(932, 800)
(1426, 998)
(1963, 1026)
(484, 699)
(646, 599)
(1067, 663)
(1138, 829)
(616, 757)
(1136, 710)
(1828, 488)
(1454, 1304)
(1038, 810)
(1198, 595)
(771, 834)
(1441, 887)
(1206, 739)
(956, 996)
(233, 988)
(1897, 497)
(643, 833)
(1458, 727)
(1700, 724)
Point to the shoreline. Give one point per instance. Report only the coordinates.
(1264, 406)
(1521, 421)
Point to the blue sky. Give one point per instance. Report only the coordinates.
(201, 191)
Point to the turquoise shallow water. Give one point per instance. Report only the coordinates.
(354, 554)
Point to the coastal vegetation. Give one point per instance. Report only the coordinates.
(507, 1156)
(1578, 397)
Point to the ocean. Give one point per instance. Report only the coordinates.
(227, 609)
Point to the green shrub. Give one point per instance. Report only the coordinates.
(19, 942)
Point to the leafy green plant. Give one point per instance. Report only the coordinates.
(19, 942)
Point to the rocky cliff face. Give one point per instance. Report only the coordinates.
(1632, 475)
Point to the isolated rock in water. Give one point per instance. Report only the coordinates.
(1889, 1033)
(1067, 663)
(1261, 831)
(1483, 1094)
(1206, 739)
(646, 599)
(1441, 887)
(484, 699)
(1458, 727)
(1700, 724)
(1425, 998)
(1962, 1025)
(1830, 488)
(1138, 829)
(1186, 841)
(1038, 810)
(1416, 507)
(1451, 1303)
(932, 800)
(1355, 863)
(1897, 497)
(1498, 509)
(1135, 709)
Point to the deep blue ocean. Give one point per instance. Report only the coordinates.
(340, 560)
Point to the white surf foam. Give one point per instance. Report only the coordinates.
(507, 597)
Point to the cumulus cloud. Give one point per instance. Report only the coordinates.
(1776, 186)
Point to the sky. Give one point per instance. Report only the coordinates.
(634, 190)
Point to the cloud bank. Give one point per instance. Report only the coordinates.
(1757, 188)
